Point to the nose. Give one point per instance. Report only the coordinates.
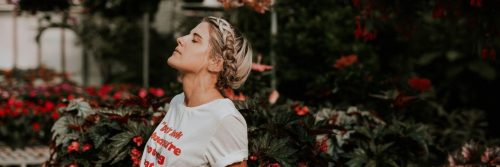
(179, 41)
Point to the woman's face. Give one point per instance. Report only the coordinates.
(192, 52)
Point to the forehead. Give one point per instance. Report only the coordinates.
(202, 29)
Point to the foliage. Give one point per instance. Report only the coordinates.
(102, 136)
(292, 134)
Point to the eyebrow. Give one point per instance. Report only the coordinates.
(199, 36)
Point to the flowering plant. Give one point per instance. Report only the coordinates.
(473, 154)
(90, 134)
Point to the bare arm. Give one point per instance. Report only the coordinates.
(239, 164)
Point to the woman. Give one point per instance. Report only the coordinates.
(202, 128)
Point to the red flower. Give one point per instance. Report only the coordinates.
(135, 152)
(135, 161)
(253, 157)
(134, 156)
(273, 165)
(48, 106)
(11, 101)
(91, 91)
(55, 115)
(488, 53)
(117, 95)
(32, 93)
(345, 61)
(2, 112)
(358, 33)
(438, 12)
(18, 103)
(143, 93)
(86, 147)
(420, 84)
(36, 126)
(476, 3)
(137, 140)
(158, 92)
(71, 97)
(302, 164)
(104, 90)
(26, 111)
(300, 111)
(355, 3)
(74, 146)
(362, 32)
(322, 145)
(72, 165)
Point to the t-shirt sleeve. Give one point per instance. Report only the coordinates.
(230, 143)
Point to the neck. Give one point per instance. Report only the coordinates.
(199, 89)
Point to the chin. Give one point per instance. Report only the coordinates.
(170, 62)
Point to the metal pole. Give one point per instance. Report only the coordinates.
(14, 38)
(274, 32)
(145, 65)
(63, 52)
(85, 67)
(39, 46)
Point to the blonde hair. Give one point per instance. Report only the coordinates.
(234, 49)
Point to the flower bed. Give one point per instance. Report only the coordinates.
(30, 99)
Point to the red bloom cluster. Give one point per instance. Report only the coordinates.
(301, 110)
(420, 84)
(75, 146)
(135, 156)
(345, 61)
(488, 53)
(322, 145)
(260, 6)
(16, 107)
(273, 165)
(362, 31)
(476, 3)
(137, 140)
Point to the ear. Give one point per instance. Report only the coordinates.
(215, 64)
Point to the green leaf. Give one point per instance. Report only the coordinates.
(391, 162)
(81, 106)
(427, 58)
(454, 71)
(453, 55)
(123, 153)
(371, 163)
(59, 128)
(118, 143)
(382, 148)
(358, 158)
(98, 139)
(483, 69)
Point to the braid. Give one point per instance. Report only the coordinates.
(232, 48)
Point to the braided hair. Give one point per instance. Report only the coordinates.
(229, 45)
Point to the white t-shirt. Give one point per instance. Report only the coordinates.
(212, 134)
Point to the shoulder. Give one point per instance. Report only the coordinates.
(225, 108)
(177, 98)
